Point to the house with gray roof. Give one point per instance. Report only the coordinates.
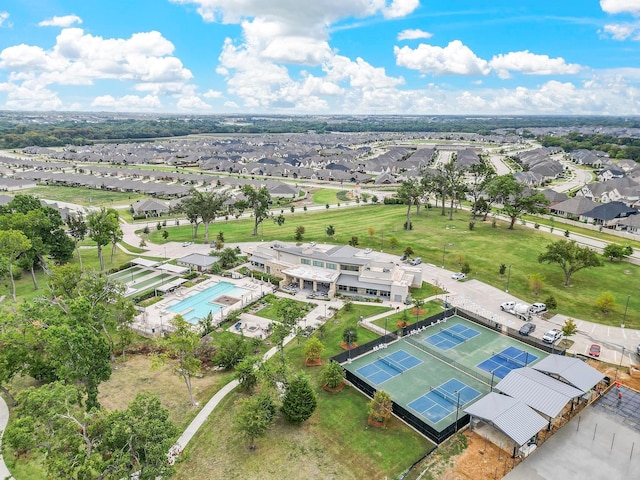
(149, 207)
(336, 270)
(608, 214)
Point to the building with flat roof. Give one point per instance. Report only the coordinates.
(336, 269)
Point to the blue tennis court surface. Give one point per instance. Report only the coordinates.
(450, 337)
(388, 366)
(442, 401)
(500, 364)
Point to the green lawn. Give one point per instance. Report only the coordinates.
(269, 311)
(324, 196)
(84, 196)
(485, 248)
(430, 308)
(336, 442)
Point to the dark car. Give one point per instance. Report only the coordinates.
(526, 329)
(404, 258)
(594, 350)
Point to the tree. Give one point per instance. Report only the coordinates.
(182, 344)
(228, 258)
(570, 256)
(313, 350)
(332, 374)
(77, 228)
(299, 400)
(231, 351)
(454, 178)
(98, 444)
(479, 175)
(354, 241)
(246, 373)
(408, 251)
(605, 302)
(13, 243)
(299, 233)
(515, 199)
(350, 336)
(257, 200)
(409, 193)
(568, 329)
(614, 251)
(380, 407)
(393, 243)
(371, 231)
(536, 282)
(330, 231)
(417, 304)
(279, 220)
(254, 417)
(103, 227)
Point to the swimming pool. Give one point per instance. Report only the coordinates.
(200, 304)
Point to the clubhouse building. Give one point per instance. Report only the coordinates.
(331, 270)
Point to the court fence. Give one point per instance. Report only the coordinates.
(437, 436)
(511, 332)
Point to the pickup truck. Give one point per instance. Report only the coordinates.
(520, 310)
(552, 335)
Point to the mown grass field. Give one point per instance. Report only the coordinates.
(84, 196)
(336, 442)
(484, 247)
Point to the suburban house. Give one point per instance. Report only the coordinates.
(334, 270)
(573, 208)
(149, 208)
(608, 214)
(631, 224)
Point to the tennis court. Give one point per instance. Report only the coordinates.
(414, 370)
(388, 366)
(442, 400)
(501, 363)
(448, 338)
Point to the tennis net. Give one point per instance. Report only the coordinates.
(455, 335)
(511, 360)
(424, 347)
(452, 399)
(396, 366)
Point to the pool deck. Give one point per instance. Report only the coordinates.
(156, 319)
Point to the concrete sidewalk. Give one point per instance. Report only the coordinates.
(4, 419)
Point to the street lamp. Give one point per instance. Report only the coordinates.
(624, 318)
(508, 278)
(386, 319)
(457, 409)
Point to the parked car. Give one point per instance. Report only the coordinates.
(538, 307)
(552, 336)
(416, 261)
(527, 328)
(186, 244)
(458, 276)
(594, 350)
(404, 258)
(638, 350)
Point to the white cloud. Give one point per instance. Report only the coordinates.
(77, 58)
(413, 34)
(621, 31)
(620, 6)
(29, 95)
(64, 21)
(400, 8)
(193, 103)
(212, 94)
(127, 102)
(454, 59)
(4, 16)
(531, 64)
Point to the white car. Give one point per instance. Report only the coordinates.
(507, 305)
(458, 276)
(552, 335)
(186, 244)
(538, 307)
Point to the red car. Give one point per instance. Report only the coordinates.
(594, 350)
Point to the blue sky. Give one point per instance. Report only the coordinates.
(426, 57)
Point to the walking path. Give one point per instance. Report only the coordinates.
(4, 419)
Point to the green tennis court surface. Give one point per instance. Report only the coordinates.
(423, 376)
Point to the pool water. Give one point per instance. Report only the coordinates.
(200, 304)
